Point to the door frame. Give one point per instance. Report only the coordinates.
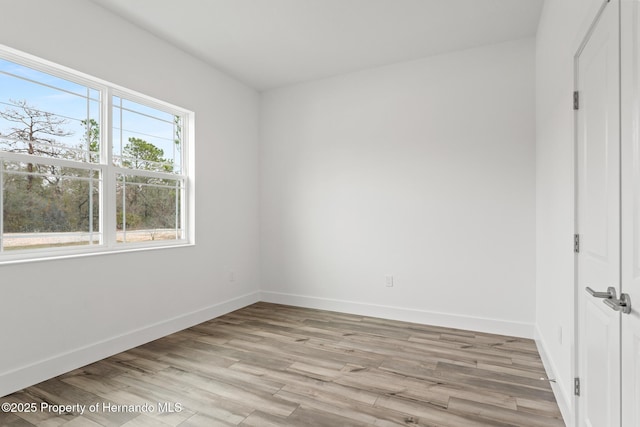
(630, 224)
(587, 28)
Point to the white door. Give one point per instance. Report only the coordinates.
(598, 221)
(630, 109)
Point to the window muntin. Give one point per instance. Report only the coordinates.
(59, 191)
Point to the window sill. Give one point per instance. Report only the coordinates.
(67, 254)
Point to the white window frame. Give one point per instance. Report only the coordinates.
(108, 171)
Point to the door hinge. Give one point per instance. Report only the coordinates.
(576, 243)
(576, 100)
(576, 386)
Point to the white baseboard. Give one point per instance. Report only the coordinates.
(492, 326)
(563, 397)
(34, 373)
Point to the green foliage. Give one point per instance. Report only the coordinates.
(91, 139)
(177, 121)
(145, 206)
(140, 154)
(36, 205)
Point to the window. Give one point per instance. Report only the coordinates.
(86, 166)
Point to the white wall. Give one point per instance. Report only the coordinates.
(58, 315)
(562, 26)
(422, 170)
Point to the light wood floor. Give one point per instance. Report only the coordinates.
(275, 365)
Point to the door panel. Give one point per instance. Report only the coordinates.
(598, 220)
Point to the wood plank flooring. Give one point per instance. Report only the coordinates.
(274, 365)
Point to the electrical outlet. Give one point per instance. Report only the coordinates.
(388, 280)
(232, 276)
(560, 334)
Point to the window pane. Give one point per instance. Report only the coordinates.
(49, 206)
(146, 138)
(47, 116)
(148, 209)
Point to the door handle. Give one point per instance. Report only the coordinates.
(623, 304)
(610, 294)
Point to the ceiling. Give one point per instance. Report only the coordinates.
(273, 43)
